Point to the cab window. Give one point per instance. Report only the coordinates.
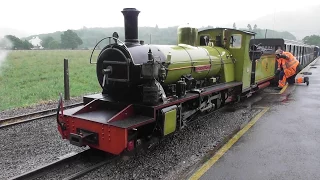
(235, 41)
(204, 40)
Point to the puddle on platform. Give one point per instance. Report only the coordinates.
(285, 98)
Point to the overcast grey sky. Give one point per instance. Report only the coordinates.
(44, 16)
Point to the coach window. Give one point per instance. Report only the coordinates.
(293, 50)
(300, 51)
(289, 48)
(235, 41)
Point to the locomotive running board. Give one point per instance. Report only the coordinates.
(115, 114)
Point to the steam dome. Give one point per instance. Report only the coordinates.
(187, 34)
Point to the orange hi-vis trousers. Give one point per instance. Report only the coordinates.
(282, 80)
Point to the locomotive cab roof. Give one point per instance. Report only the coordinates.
(242, 31)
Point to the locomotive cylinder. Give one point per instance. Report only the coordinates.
(131, 24)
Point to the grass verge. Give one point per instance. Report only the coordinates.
(31, 77)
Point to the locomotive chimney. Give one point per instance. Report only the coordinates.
(131, 24)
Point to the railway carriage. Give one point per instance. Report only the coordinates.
(304, 53)
(151, 91)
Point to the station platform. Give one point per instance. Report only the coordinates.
(282, 143)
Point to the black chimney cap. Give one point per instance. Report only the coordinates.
(129, 9)
(131, 25)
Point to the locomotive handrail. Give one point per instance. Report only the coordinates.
(95, 48)
(109, 37)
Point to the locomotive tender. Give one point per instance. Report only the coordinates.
(151, 91)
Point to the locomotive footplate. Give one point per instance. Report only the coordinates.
(83, 137)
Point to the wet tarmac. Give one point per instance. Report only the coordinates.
(284, 143)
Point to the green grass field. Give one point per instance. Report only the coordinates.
(31, 77)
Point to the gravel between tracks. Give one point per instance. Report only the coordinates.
(26, 146)
(180, 150)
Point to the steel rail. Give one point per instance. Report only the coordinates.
(33, 174)
(51, 167)
(89, 169)
(32, 116)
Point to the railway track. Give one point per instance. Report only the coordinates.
(32, 116)
(70, 167)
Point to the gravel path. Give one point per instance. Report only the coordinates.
(37, 107)
(26, 146)
(179, 151)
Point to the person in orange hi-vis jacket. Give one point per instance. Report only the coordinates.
(288, 66)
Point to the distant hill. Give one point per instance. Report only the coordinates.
(262, 33)
(90, 36)
(300, 23)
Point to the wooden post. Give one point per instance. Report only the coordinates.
(66, 80)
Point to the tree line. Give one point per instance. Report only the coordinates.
(87, 38)
(13, 42)
(312, 40)
(153, 35)
(267, 33)
(68, 40)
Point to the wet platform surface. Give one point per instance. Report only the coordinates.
(283, 144)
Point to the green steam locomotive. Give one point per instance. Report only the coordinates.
(151, 91)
